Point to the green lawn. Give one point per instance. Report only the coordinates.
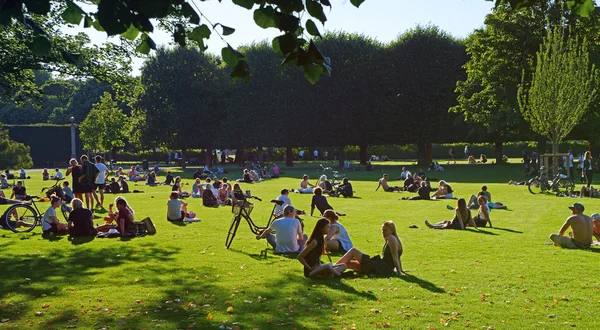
(183, 277)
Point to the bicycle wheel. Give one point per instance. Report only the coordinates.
(535, 186)
(21, 218)
(65, 210)
(232, 231)
(567, 185)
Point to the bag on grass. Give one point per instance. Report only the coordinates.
(149, 226)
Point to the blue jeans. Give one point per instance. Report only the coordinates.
(273, 241)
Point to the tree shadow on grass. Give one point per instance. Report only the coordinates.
(339, 284)
(81, 240)
(422, 283)
(481, 231)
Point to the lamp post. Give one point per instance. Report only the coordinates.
(73, 150)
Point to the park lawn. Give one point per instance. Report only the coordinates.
(503, 277)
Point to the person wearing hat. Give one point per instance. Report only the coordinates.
(337, 238)
(288, 236)
(596, 219)
(583, 229)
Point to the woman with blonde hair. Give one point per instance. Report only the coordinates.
(80, 220)
(377, 266)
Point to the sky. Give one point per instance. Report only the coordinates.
(379, 19)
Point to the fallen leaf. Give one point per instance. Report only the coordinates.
(209, 316)
(230, 309)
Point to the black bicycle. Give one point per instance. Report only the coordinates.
(25, 217)
(242, 210)
(559, 184)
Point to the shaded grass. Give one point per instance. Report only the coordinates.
(183, 277)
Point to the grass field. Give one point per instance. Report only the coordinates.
(503, 277)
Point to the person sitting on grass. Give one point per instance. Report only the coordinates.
(151, 179)
(4, 200)
(254, 177)
(119, 172)
(113, 186)
(134, 175)
(383, 183)
(305, 186)
(81, 220)
(276, 171)
(337, 239)
(124, 185)
(19, 192)
(583, 229)
(444, 191)
(208, 198)
(50, 224)
(310, 256)
(246, 177)
(438, 167)
(483, 158)
(377, 266)
(177, 185)
(422, 193)
(345, 189)
(58, 175)
(223, 193)
(324, 184)
(176, 208)
(197, 189)
(596, 220)
(123, 218)
(320, 202)
(462, 218)
(3, 182)
(67, 192)
(482, 218)
(237, 194)
(45, 175)
(288, 236)
(169, 179)
(474, 204)
(23, 174)
(206, 170)
(408, 182)
(472, 160)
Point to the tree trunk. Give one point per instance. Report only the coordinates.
(113, 154)
(259, 150)
(341, 157)
(363, 154)
(541, 146)
(239, 156)
(289, 156)
(428, 153)
(498, 151)
(555, 159)
(208, 156)
(421, 151)
(183, 159)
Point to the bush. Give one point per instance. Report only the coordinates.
(13, 155)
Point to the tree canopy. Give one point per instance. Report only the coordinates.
(106, 126)
(13, 154)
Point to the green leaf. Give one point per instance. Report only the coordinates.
(288, 22)
(248, 4)
(72, 16)
(131, 33)
(266, 18)
(88, 21)
(146, 44)
(287, 43)
(40, 46)
(97, 26)
(40, 7)
(291, 6)
(179, 35)
(226, 29)
(357, 3)
(72, 58)
(313, 72)
(311, 27)
(189, 12)
(315, 10)
(241, 71)
(199, 33)
(231, 56)
(583, 9)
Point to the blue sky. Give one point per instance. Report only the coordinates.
(379, 19)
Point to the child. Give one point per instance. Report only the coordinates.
(67, 192)
(176, 208)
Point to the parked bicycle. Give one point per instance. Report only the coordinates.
(242, 210)
(335, 177)
(559, 184)
(26, 216)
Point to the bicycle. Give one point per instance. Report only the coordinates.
(541, 184)
(25, 217)
(336, 177)
(242, 210)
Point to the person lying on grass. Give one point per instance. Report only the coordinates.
(50, 223)
(377, 266)
(473, 204)
(444, 191)
(462, 218)
(383, 183)
(310, 256)
(176, 208)
(305, 186)
(320, 202)
(337, 239)
(289, 237)
(583, 229)
(123, 218)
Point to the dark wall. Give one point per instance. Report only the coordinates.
(49, 144)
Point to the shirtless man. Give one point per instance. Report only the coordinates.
(383, 183)
(583, 227)
(305, 186)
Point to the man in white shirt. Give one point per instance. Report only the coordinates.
(286, 201)
(571, 169)
(100, 182)
(289, 237)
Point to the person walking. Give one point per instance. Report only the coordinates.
(588, 167)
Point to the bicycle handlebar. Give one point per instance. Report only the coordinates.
(255, 198)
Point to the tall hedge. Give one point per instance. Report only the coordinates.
(50, 144)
